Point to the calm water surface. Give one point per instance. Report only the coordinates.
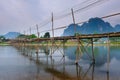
(25, 64)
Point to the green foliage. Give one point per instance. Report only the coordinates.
(47, 35)
(2, 38)
(96, 39)
(32, 36)
(27, 36)
(21, 36)
(115, 39)
(76, 34)
(41, 36)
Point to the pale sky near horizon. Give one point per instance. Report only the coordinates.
(20, 15)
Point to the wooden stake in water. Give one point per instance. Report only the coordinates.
(92, 50)
(108, 55)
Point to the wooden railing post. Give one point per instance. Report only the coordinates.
(73, 17)
(38, 34)
(52, 40)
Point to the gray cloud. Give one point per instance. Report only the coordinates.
(19, 15)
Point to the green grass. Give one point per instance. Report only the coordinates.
(4, 44)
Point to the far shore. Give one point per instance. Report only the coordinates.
(5, 44)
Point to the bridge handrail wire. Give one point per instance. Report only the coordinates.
(104, 17)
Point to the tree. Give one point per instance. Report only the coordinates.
(32, 36)
(2, 38)
(21, 36)
(27, 36)
(76, 34)
(47, 35)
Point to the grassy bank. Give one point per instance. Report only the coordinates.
(4, 44)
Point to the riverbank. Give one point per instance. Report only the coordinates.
(5, 44)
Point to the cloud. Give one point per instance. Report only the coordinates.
(15, 14)
(19, 15)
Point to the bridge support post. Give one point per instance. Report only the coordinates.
(37, 56)
(108, 55)
(20, 45)
(30, 55)
(64, 67)
(27, 53)
(93, 57)
(47, 48)
(64, 41)
(78, 71)
(93, 69)
(52, 39)
(78, 51)
(24, 47)
(52, 47)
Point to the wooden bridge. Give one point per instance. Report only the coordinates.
(23, 42)
(82, 36)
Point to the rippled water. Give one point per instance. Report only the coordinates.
(24, 64)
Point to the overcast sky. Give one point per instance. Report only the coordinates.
(19, 15)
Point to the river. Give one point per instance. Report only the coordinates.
(18, 63)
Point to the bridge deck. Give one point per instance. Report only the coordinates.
(85, 36)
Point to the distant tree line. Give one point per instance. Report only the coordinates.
(3, 39)
(115, 39)
(46, 35)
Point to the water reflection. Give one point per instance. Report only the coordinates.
(61, 75)
(100, 52)
(74, 52)
(59, 67)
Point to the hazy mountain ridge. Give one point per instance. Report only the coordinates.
(11, 35)
(117, 27)
(93, 26)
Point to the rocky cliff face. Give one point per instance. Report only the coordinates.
(93, 26)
